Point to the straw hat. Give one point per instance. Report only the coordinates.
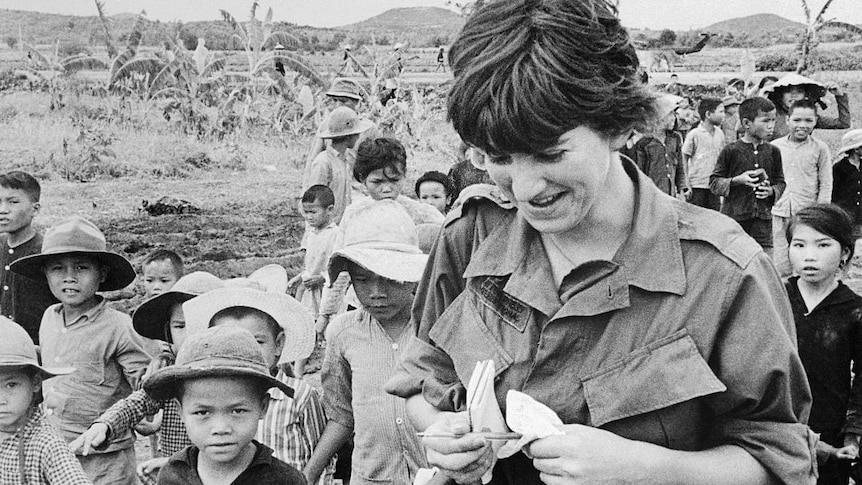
(345, 88)
(667, 103)
(728, 101)
(214, 352)
(150, 318)
(851, 140)
(815, 89)
(17, 351)
(77, 236)
(380, 237)
(343, 121)
(271, 278)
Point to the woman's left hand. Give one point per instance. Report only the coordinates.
(834, 88)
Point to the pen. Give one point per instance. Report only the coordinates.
(484, 434)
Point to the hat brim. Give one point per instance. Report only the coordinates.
(843, 150)
(150, 318)
(296, 322)
(402, 266)
(344, 94)
(44, 372)
(120, 272)
(361, 127)
(163, 384)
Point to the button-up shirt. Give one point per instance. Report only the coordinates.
(739, 200)
(264, 469)
(683, 339)
(847, 188)
(23, 300)
(807, 169)
(661, 160)
(360, 358)
(108, 358)
(702, 148)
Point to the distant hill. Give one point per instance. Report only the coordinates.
(415, 23)
(761, 23)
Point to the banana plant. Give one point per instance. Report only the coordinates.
(808, 41)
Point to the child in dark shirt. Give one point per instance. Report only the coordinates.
(847, 178)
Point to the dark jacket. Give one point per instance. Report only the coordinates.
(847, 188)
(182, 469)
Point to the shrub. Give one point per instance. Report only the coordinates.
(824, 60)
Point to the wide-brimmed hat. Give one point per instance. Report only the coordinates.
(271, 278)
(851, 140)
(666, 103)
(77, 236)
(214, 352)
(17, 351)
(728, 101)
(345, 88)
(734, 81)
(381, 237)
(150, 318)
(815, 89)
(343, 121)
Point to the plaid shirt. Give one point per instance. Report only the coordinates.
(124, 414)
(47, 459)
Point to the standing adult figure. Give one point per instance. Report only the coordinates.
(657, 331)
(794, 87)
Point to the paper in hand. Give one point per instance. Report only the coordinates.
(529, 417)
(483, 409)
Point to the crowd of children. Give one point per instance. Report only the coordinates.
(628, 283)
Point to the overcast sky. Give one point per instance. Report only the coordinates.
(675, 14)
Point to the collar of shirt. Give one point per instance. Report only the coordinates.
(277, 394)
(788, 141)
(189, 456)
(654, 231)
(840, 295)
(87, 316)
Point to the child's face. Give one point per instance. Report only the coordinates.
(716, 117)
(316, 215)
(258, 326)
(386, 300)
(16, 210)
(177, 325)
(384, 183)
(16, 395)
(669, 121)
(159, 277)
(221, 416)
(792, 94)
(814, 256)
(434, 193)
(801, 122)
(761, 127)
(74, 280)
(731, 110)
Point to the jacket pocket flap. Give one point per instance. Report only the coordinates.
(666, 372)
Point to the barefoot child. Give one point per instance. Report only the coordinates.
(31, 450)
(828, 318)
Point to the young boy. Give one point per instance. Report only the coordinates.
(381, 254)
(161, 269)
(748, 173)
(657, 331)
(31, 451)
(83, 332)
(847, 177)
(435, 188)
(807, 167)
(22, 300)
(331, 167)
(659, 153)
(700, 152)
(220, 382)
(730, 126)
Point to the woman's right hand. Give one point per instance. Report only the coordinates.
(463, 459)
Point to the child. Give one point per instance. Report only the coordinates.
(31, 451)
(657, 331)
(659, 152)
(22, 300)
(847, 178)
(748, 173)
(730, 126)
(828, 318)
(83, 332)
(318, 243)
(284, 330)
(793, 87)
(161, 319)
(434, 188)
(700, 152)
(331, 166)
(220, 383)
(381, 255)
(807, 169)
(162, 269)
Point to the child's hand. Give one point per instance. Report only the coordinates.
(313, 281)
(293, 284)
(750, 178)
(463, 459)
(151, 467)
(150, 425)
(848, 452)
(95, 435)
(763, 190)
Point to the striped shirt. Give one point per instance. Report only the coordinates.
(47, 459)
(360, 359)
(125, 414)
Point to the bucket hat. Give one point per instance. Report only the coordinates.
(728, 101)
(343, 121)
(77, 236)
(150, 318)
(381, 237)
(17, 351)
(345, 88)
(215, 352)
(851, 140)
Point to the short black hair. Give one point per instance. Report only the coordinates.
(828, 219)
(803, 103)
(166, 255)
(434, 176)
(751, 108)
(707, 105)
(320, 194)
(23, 181)
(377, 153)
(240, 312)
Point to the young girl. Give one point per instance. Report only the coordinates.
(828, 318)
